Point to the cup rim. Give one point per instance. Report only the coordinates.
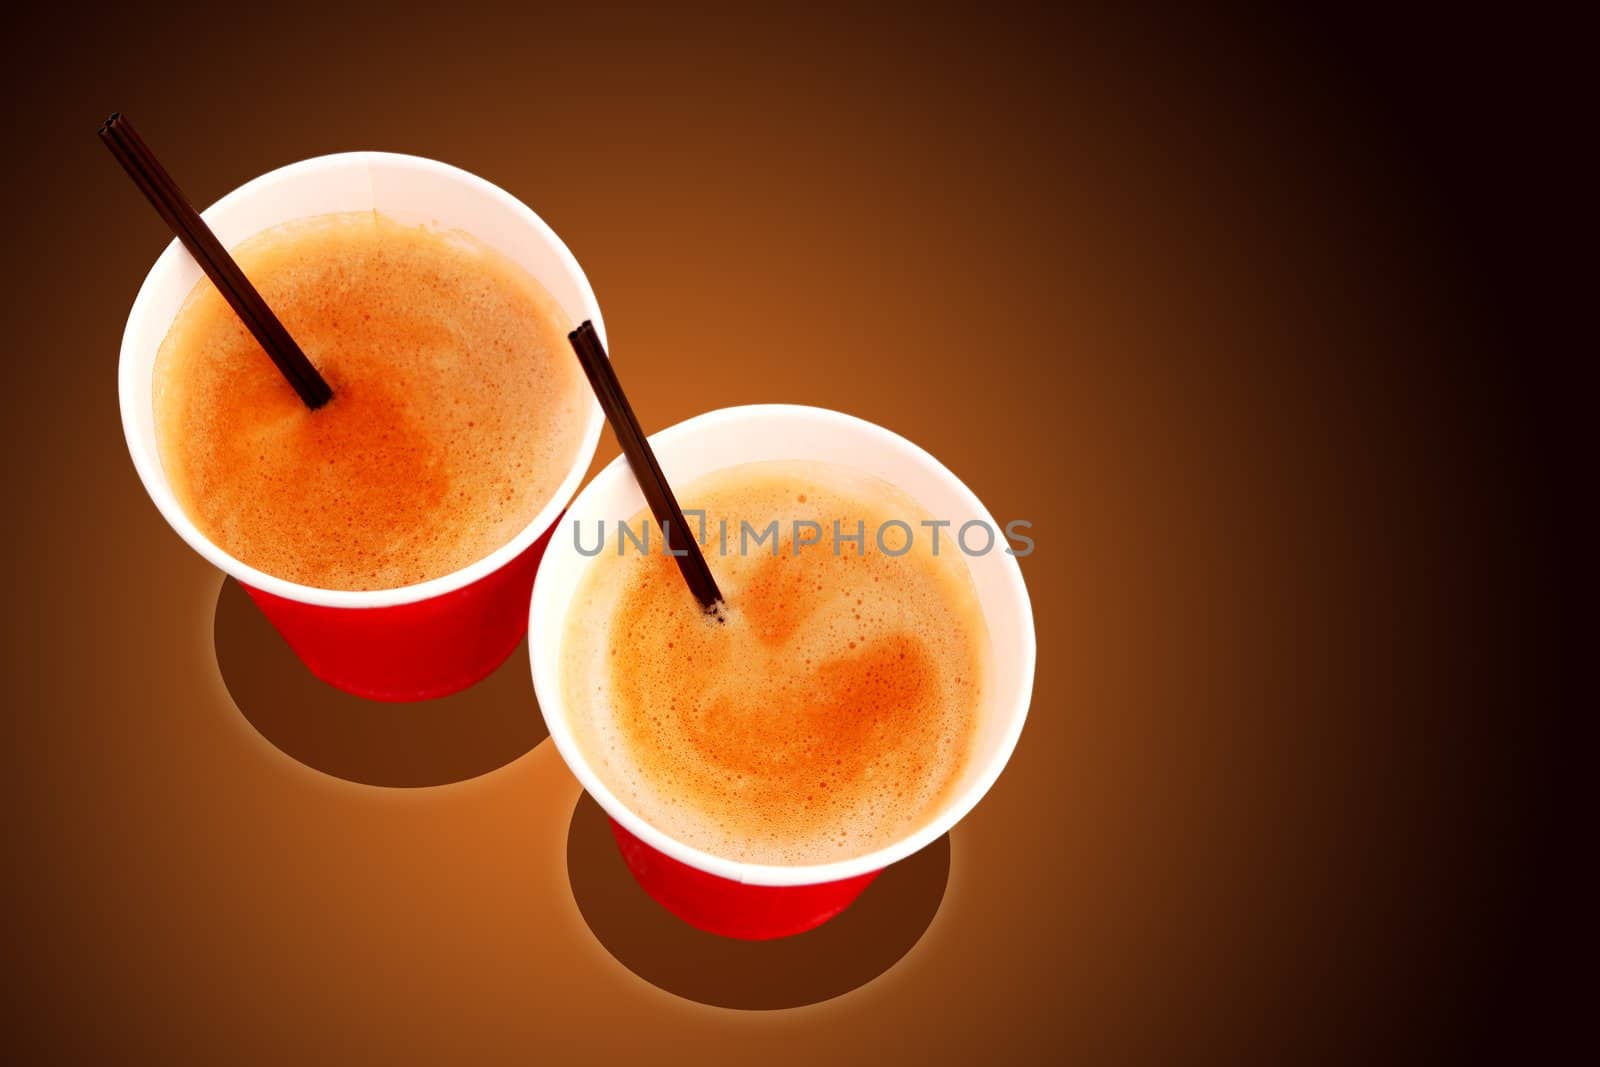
(544, 650)
(147, 461)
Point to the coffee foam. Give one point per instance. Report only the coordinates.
(829, 715)
(458, 406)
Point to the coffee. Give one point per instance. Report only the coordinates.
(833, 710)
(458, 406)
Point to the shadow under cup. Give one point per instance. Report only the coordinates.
(759, 901)
(423, 640)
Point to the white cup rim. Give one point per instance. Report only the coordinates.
(147, 461)
(547, 623)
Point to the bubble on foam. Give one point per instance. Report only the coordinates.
(453, 420)
(824, 720)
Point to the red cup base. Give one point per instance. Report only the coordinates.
(416, 651)
(734, 909)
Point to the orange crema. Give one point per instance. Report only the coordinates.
(458, 406)
(829, 714)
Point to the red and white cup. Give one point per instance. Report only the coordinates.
(752, 900)
(418, 641)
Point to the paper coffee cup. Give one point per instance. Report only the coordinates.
(759, 900)
(422, 640)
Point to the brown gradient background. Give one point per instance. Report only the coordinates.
(1221, 310)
